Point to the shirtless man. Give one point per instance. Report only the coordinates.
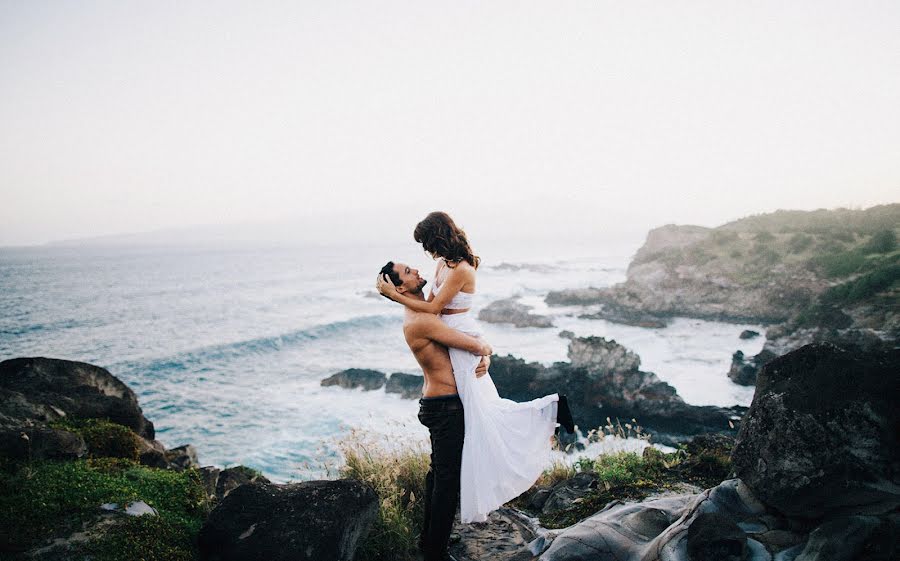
(440, 408)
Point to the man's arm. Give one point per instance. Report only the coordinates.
(430, 327)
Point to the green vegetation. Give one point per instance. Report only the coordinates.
(883, 241)
(46, 498)
(103, 437)
(631, 476)
(799, 242)
(863, 287)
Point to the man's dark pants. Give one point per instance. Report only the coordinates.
(444, 418)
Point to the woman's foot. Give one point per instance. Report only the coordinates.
(564, 415)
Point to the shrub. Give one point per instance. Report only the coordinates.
(103, 437)
(883, 241)
(841, 264)
(764, 236)
(863, 287)
(799, 242)
(724, 237)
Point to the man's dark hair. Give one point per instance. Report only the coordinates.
(389, 271)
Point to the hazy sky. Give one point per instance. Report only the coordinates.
(545, 118)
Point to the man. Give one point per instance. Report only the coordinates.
(440, 408)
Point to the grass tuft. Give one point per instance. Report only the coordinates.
(398, 476)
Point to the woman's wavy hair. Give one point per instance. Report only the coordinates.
(439, 236)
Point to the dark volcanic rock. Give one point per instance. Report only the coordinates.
(608, 383)
(36, 391)
(716, 537)
(744, 372)
(823, 432)
(748, 334)
(55, 388)
(356, 378)
(231, 478)
(512, 311)
(409, 386)
(183, 457)
(563, 495)
(313, 520)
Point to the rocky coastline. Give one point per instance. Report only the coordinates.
(817, 276)
(604, 384)
(811, 474)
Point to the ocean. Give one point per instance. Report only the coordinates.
(226, 345)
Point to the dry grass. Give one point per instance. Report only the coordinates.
(397, 473)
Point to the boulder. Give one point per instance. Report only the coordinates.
(409, 386)
(182, 457)
(597, 354)
(51, 388)
(563, 495)
(313, 520)
(356, 378)
(510, 310)
(36, 391)
(852, 538)
(223, 482)
(716, 537)
(744, 372)
(824, 418)
(748, 334)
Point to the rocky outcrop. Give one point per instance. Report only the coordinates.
(34, 392)
(748, 334)
(505, 536)
(771, 268)
(604, 380)
(356, 378)
(565, 493)
(816, 456)
(724, 523)
(219, 482)
(409, 386)
(312, 521)
(824, 418)
(660, 529)
(43, 389)
(744, 371)
(512, 311)
(600, 355)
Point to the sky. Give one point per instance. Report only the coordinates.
(524, 119)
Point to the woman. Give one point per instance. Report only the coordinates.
(506, 443)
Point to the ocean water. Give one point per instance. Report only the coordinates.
(225, 346)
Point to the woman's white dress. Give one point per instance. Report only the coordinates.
(507, 444)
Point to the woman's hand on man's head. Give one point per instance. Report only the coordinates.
(385, 287)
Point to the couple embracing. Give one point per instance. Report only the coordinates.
(485, 450)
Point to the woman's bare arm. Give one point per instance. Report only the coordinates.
(451, 286)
